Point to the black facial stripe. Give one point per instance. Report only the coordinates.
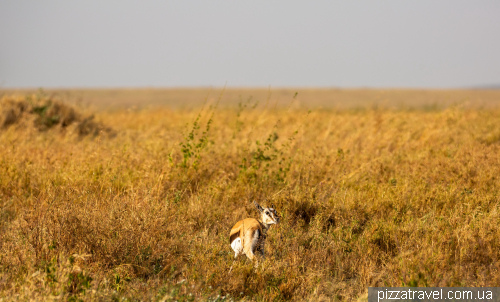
(272, 213)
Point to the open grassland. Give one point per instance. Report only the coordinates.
(138, 204)
(307, 98)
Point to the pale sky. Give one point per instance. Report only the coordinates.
(382, 44)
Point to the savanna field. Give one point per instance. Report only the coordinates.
(130, 195)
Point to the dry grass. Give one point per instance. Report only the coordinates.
(307, 98)
(367, 197)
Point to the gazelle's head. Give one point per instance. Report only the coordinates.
(268, 215)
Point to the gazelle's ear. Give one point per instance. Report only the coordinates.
(258, 206)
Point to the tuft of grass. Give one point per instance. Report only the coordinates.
(373, 197)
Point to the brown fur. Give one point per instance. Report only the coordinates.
(245, 229)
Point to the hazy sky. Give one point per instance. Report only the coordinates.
(249, 43)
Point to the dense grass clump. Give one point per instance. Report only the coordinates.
(367, 197)
(42, 113)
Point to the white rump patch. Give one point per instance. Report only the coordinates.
(237, 246)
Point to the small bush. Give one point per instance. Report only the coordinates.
(44, 113)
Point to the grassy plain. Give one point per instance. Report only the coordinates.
(137, 203)
(307, 98)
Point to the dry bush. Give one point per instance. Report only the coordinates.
(367, 198)
(42, 113)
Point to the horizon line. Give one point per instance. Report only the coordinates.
(270, 87)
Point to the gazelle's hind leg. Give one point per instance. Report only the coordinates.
(252, 238)
(250, 249)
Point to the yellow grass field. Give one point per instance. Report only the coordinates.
(307, 98)
(129, 195)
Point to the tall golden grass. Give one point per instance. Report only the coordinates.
(368, 197)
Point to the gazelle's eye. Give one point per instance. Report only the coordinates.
(267, 212)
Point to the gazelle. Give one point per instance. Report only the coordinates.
(248, 235)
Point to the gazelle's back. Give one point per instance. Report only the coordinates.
(245, 225)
